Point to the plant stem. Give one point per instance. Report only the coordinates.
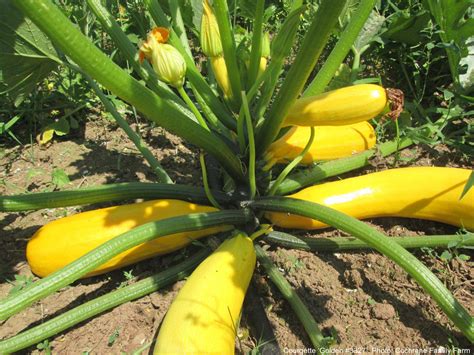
(349, 243)
(255, 54)
(241, 131)
(228, 46)
(425, 278)
(134, 137)
(288, 293)
(322, 171)
(178, 24)
(251, 168)
(129, 50)
(198, 83)
(291, 165)
(95, 63)
(280, 49)
(205, 182)
(312, 46)
(101, 304)
(106, 193)
(342, 48)
(88, 262)
(193, 107)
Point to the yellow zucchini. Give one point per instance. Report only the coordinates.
(330, 142)
(60, 242)
(419, 192)
(220, 73)
(204, 316)
(344, 106)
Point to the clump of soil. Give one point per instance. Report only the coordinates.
(361, 298)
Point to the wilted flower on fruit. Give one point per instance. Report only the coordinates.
(166, 60)
(210, 35)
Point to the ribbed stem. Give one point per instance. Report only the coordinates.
(88, 262)
(280, 49)
(251, 167)
(178, 25)
(425, 278)
(101, 304)
(288, 293)
(257, 34)
(291, 165)
(322, 171)
(134, 137)
(199, 84)
(205, 182)
(193, 107)
(228, 46)
(349, 243)
(129, 50)
(342, 48)
(312, 46)
(106, 193)
(95, 63)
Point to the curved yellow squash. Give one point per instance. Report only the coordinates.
(344, 106)
(204, 316)
(330, 142)
(419, 192)
(60, 242)
(220, 73)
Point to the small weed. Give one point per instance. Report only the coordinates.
(113, 337)
(59, 178)
(128, 277)
(20, 282)
(45, 346)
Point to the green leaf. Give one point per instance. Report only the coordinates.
(453, 244)
(469, 184)
(73, 123)
(342, 78)
(466, 78)
(59, 178)
(446, 255)
(60, 127)
(46, 136)
(370, 31)
(456, 22)
(26, 54)
(406, 27)
(197, 8)
(248, 8)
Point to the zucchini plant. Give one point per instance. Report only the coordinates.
(248, 123)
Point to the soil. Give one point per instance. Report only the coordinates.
(365, 301)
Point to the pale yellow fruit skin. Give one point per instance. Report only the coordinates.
(330, 142)
(222, 77)
(60, 242)
(262, 66)
(203, 317)
(420, 192)
(344, 106)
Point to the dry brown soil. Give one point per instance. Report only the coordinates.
(363, 299)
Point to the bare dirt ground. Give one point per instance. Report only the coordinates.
(362, 298)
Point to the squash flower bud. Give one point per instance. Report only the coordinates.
(265, 53)
(166, 60)
(210, 35)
